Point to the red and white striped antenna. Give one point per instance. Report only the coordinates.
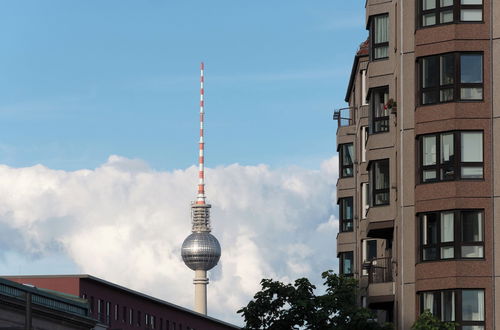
(201, 160)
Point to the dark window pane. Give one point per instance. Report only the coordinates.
(448, 306)
(430, 254)
(446, 95)
(381, 182)
(381, 125)
(346, 263)
(471, 66)
(472, 227)
(473, 305)
(346, 214)
(372, 249)
(430, 69)
(430, 229)
(382, 175)
(447, 69)
(346, 159)
(430, 97)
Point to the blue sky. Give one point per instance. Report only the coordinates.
(81, 80)
(104, 96)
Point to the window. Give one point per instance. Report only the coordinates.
(346, 160)
(380, 112)
(116, 312)
(365, 193)
(452, 234)
(380, 36)
(152, 321)
(100, 307)
(108, 312)
(465, 307)
(380, 182)
(434, 12)
(345, 214)
(346, 263)
(364, 139)
(131, 316)
(451, 156)
(451, 77)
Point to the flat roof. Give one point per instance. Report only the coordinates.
(122, 288)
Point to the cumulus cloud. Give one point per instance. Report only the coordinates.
(125, 222)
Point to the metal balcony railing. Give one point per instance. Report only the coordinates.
(344, 116)
(380, 271)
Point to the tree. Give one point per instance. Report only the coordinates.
(281, 306)
(427, 321)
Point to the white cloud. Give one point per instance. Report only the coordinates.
(125, 222)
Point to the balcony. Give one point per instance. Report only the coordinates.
(344, 116)
(381, 285)
(380, 271)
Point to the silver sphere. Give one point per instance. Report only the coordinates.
(201, 251)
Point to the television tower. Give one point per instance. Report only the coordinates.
(201, 250)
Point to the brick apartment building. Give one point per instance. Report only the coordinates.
(419, 151)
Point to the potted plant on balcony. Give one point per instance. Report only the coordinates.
(391, 105)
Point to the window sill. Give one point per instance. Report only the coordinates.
(379, 59)
(448, 102)
(380, 205)
(345, 232)
(381, 132)
(457, 180)
(455, 259)
(450, 23)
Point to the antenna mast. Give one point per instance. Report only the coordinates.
(201, 161)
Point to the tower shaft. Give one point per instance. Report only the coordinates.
(200, 291)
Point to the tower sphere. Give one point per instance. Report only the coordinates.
(201, 251)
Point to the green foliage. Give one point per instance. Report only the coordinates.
(281, 306)
(427, 321)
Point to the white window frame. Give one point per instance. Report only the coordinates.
(365, 203)
(364, 139)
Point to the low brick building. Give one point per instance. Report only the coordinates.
(123, 309)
